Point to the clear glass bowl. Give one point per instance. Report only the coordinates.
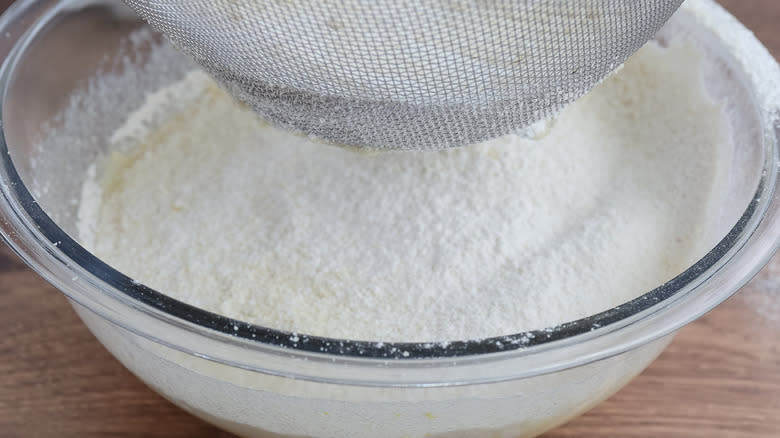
(256, 381)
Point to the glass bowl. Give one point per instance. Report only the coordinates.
(255, 381)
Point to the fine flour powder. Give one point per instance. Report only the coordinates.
(206, 203)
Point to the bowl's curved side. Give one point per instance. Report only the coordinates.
(255, 405)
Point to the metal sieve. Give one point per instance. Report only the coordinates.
(406, 74)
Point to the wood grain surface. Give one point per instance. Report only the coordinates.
(719, 378)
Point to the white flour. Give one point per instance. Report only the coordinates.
(217, 209)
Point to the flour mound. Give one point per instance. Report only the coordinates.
(216, 208)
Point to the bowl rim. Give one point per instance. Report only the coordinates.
(43, 245)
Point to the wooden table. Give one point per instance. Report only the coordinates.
(719, 378)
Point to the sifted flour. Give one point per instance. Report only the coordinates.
(212, 206)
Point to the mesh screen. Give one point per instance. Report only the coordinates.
(407, 74)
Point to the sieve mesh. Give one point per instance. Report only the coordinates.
(407, 74)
